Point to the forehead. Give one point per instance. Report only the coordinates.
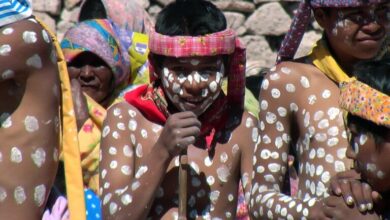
(204, 60)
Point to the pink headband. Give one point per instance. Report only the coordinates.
(223, 42)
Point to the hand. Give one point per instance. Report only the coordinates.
(336, 208)
(180, 130)
(79, 103)
(348, 185)
(317, 211)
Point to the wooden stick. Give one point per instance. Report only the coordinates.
(183, 158)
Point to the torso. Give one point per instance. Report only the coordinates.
(30, 121)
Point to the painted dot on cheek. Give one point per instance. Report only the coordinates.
(213, 86)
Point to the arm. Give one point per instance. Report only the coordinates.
(129, 190)
(25, 48)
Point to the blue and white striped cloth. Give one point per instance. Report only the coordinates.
(14, 10)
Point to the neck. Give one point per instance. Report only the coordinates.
(344, 60)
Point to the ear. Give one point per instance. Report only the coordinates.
(321, 17)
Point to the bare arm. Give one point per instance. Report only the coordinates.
(299, 106)
(127, 177)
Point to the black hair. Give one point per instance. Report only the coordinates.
(92, 9)
(375, 74)
(189, 18)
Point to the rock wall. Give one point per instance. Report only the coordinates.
(261, 24)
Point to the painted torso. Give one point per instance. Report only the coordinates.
(213, 176)
(29, 117)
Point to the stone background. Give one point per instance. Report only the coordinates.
(261, 24)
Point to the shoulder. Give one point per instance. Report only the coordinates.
(27, 35)
(247, 130)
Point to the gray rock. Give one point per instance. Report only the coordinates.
(50, 6)
(238, 6)
(258, 49)
(234, 20)
(46, 19)
(262, 23)
(69, 4)
(70, 15)
(309, 38)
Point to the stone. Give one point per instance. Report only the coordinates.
(234, 19)
(50, 6)
(261, 23)
(309, 38)
(69, 4)
(164, 2)
(258, 49)
(46, 19)
(70, 15)
(238, 6)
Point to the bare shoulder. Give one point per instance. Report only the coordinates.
(247, 132)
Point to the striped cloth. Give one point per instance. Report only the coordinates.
(14, 10)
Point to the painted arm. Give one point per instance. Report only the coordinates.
(128, 190)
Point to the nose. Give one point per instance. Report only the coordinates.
(193, 85)
(86, 74)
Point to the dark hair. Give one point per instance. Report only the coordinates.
(376, 74)
(92, 9)
(190, 18)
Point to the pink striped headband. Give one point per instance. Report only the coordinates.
(223, 42)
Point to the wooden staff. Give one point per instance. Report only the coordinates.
(183, 158)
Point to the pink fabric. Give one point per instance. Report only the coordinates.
(59, 211)
(223, 42)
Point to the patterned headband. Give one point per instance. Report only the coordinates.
(223, 42)
(361, 100)
(302, 18)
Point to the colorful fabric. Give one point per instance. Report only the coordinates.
(139, 52)
(325, 62)
(223, 42)
(302, 18)
(128, 15)
(69, 141)
(361, 100)
(14, 10)
(98, 37)
(59, 210)
(92, 202)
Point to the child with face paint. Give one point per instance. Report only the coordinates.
(35, 112)
(367, 101)
(299, 105)
(182, 109)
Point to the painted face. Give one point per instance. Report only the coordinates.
(192, 84)
(93, 74)
(372, 159)
(358, 32)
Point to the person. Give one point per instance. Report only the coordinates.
(366, 99)
(299, 105)
(32, 130)
(183, 109)
(99, 67)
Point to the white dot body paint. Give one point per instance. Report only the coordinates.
(39, 195)
(126, 199)
(34, 61)
(176, 88)
(16, 155)
(39, 157)
(141, 171)
(5, 50)
(19, 195)
(29, 37)
(3, 194)
(31, 124)
(132, 125)
(7, 74)
(8, 31)
(210, 180)
(126, 170)
(5, 120)
(223, 173)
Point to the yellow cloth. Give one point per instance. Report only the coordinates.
(325, 62)
(69, 141)
(138, 52)
(89, 139)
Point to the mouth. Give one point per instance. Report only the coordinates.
(192, 103)
(375, 38)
